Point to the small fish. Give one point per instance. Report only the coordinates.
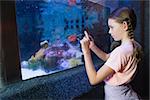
(72, 38)
(72, 2)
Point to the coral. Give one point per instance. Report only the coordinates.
(74, 62)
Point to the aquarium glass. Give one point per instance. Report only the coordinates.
(49, 33)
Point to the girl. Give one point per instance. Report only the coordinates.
(121, 64)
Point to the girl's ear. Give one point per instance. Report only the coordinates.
(125, 25)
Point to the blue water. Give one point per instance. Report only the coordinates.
(55, 21)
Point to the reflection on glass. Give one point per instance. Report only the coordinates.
(49, 32)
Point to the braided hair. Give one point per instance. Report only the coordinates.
(125, 14)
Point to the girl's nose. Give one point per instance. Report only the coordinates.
(109, 32)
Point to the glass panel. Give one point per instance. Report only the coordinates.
(49, 32)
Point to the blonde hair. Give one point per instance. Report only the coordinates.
(125, 14)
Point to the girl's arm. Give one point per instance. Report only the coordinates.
(100, 75)
(101, 54)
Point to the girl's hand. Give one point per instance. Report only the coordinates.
(92, 44)
(85, 43)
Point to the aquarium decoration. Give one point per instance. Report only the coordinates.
(49, 32)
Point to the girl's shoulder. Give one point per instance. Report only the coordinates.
(123, 50)
(117, 50)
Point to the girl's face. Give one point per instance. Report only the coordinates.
(115, 29)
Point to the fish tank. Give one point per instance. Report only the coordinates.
(49, 33)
